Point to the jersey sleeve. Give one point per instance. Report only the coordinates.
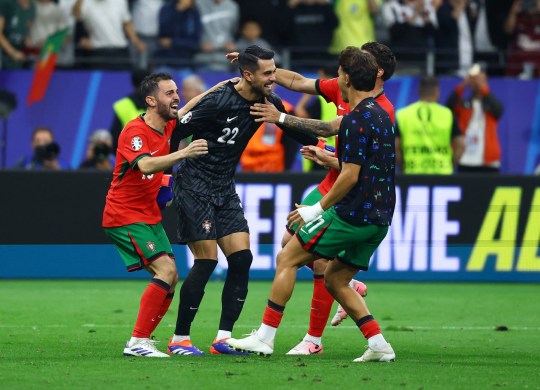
(328, 89)
(200, 116)
(354, 135)
(133, 145)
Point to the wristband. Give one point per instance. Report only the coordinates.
(310, 213)
(282, 117)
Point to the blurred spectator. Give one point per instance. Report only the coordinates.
(356, 25)
(66, 58)
(220, 19)
(523, 25)
(478, 116)
(99, 154)
(250, 34)
(49, 19)
(146, 24)
(313, 22)
(16, 17)
(474, 38)
(411, 25)
(266, 13)
(45, 152)
(316, 107)
(107, 23)
(191, 86)
(428, 139)
(128, 107)
(269, 150)
(447, 36)
(180, 31)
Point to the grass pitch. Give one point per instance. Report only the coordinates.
(70, 335)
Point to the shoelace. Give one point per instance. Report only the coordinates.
(150, 344)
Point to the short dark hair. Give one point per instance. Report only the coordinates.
(248, 59)
(137, 77)
(361, 67)
(428, 86)
(384, 57)
(149, 85)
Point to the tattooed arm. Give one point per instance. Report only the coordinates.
(267, 112)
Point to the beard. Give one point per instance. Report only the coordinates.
(165, 111)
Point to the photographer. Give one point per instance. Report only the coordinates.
(99, 153)
(45, 152)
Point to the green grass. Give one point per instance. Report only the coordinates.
(70, 334)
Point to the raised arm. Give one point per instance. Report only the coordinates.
(148, 165)
(189, 105)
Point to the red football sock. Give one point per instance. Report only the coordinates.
(164, 309)
(151, 307)
(368, 326)
(321, 305)
(273, 314)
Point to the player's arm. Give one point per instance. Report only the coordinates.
(346, 180)
(148, 164)
(296, 82)
(189, 105)
(267, 112)
(320, 156)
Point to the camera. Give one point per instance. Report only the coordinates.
(47, 152)
(101, 152)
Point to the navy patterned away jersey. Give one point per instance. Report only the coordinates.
(366, 137)
(221, 118)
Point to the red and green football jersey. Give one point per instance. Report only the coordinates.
(132, 195)
(329, 90)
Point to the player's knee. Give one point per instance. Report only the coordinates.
(240, 262)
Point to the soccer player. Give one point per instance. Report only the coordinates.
(208, 207)
(351, 220)
(132, 217)
(321, 303)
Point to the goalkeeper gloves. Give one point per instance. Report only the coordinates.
(165, 193)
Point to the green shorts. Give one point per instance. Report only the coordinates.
(312, 198)
(331, 237)
(139, 244)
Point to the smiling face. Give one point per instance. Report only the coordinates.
(166, 100)
(263, 78)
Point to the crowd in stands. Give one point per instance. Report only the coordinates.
(472, 39)
(194, 34)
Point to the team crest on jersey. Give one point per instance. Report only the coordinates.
(207, 225)
(151, 245)
(186, 118)
(136, 143)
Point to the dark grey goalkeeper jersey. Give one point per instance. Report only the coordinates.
(221, 118)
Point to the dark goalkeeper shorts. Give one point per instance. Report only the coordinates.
(202, 217)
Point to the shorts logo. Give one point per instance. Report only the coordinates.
(136, 143)
(151, 245)
(207, 225)
(186, 118)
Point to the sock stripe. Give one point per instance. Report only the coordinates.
(161, 283)
(275, 306)
(364, 320)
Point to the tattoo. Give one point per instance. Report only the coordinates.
(292, 81)
(310, 126)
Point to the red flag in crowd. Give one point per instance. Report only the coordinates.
(45, 66)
